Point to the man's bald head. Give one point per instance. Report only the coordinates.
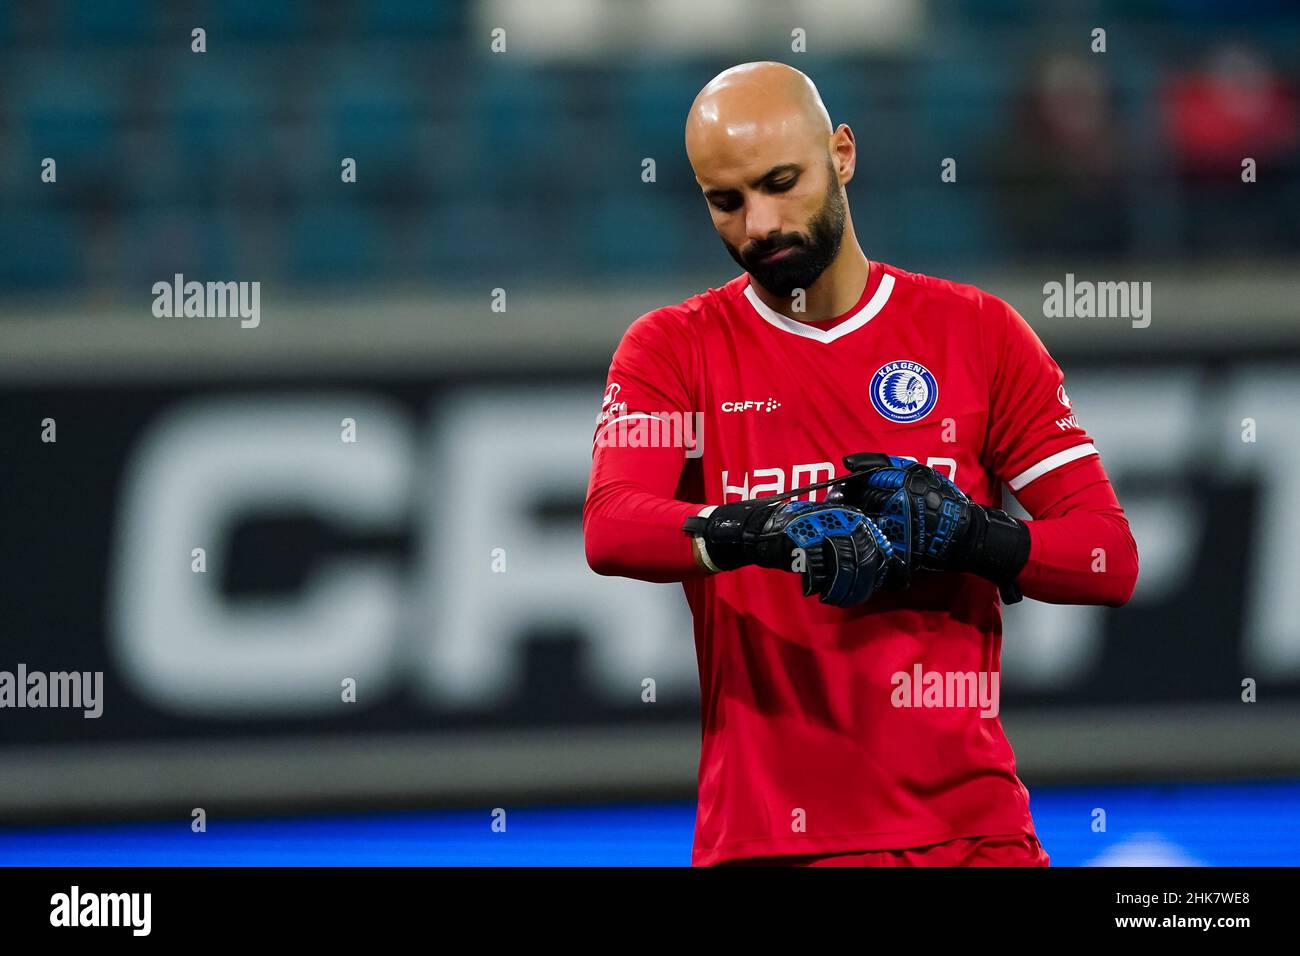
(764, 100)
(773, 171)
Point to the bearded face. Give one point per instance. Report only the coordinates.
(809, 253)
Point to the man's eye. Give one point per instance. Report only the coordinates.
(782, 186)
(726, 205)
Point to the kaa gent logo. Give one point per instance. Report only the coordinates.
(904, 391)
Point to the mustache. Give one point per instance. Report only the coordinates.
(757, 249)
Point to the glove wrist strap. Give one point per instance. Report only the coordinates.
(717, 542)
(997, 549)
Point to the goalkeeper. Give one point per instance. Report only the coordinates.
(815, 581)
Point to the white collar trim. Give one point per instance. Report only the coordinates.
(825, 336)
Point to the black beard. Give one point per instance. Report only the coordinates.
(810, 256)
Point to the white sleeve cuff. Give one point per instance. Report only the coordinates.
(1050, 463)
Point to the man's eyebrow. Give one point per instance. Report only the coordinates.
(755, 183)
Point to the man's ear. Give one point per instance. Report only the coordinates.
(844, 150)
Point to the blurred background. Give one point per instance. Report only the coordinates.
(459, 302)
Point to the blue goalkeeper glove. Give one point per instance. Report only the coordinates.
(841, 554)
(931, 522)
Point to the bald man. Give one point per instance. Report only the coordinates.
(816, 450)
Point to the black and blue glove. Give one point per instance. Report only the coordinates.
(842, 555)
(931, 522)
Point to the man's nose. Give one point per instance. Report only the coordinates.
(762, 219)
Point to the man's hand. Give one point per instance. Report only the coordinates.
(841, 554)
(931, 522)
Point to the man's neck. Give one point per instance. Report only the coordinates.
(836, 290)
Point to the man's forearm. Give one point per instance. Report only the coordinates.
(631, 524)
(1081, 548)
(631, 533)
(1080, 559)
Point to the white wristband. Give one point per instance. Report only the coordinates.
(700, 550)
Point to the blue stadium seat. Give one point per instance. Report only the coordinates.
(406, 17)
(961, 100)
(943, 225)
(212, 115)
(848, 88)
(106, 22)
(370, 114)
(255, 21)
(484, 235)
(158, 243)
(334, 241)
(42, 250)
(513, 110)
(640, 233)
(69, 111)
(651, 100)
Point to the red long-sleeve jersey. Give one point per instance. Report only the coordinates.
(807, 744)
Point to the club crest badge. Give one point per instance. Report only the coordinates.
(904, 391)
